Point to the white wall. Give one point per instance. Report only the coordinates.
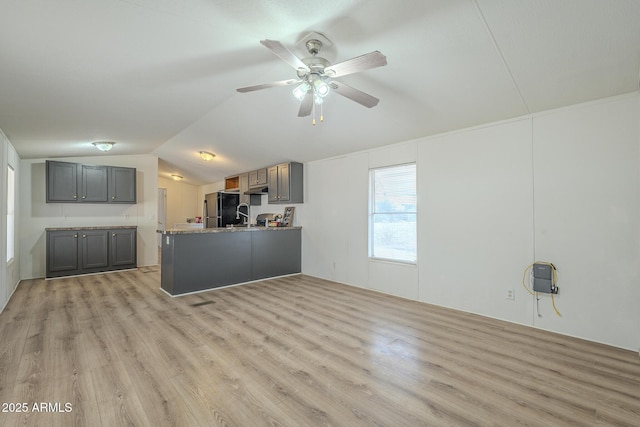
(36, 214)
(183, 201)
(475, 215)
(9, 271)
(562, 186)
(587, 210)
(335, 223)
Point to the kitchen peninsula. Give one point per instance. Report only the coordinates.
(199, 259)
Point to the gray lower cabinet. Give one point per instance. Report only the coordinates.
(194, 262)
(94, 248)
(82, 251)
(123, 248)
(62, 253)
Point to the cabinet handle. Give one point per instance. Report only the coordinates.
(75, 196)
(75, 236)
(114, 235)
(84, 197)
(84, 236)
(113, 197)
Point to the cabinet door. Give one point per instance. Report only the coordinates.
(123, 248)
(258, 178)
(262, 176)
(62, 181)
(62, 252)
(122, 185)
(94, 249)
(253, 178)
(272, 177)
(283, 182)
(93, 183)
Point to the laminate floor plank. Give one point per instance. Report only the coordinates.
(291, 351)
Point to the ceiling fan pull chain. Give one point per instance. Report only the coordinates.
(313, 113)
(321, 116)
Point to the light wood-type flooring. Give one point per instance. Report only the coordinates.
(295, 351)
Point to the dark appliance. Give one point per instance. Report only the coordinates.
(263, 219)
(220, 209)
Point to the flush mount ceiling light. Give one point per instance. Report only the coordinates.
(104, 145)
(176, 177)
(206, 156)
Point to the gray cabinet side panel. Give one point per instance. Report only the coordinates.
(296, 192)
(167, 275)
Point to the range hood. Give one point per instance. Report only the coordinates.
(257, 190)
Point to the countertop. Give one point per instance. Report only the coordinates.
(100, 227)
(223, 230)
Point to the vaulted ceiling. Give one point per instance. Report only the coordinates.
(160, 76)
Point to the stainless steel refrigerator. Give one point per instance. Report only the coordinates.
(220, 209)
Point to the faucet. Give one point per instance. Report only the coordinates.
(247, 219)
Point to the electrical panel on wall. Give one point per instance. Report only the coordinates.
(544, 278)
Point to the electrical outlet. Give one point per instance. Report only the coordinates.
(511, 294)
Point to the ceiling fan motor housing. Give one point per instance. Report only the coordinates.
(313, 46)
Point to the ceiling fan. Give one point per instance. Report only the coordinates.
(315, 76)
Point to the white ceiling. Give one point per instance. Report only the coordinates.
(159, 76)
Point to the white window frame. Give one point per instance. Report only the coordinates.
(11, 213)
(374, 253)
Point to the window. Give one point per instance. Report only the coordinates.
(11, 215)
(393, 213)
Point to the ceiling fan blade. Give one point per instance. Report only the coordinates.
(357, 64)
(268, 85)
(355, 94)
(306, 105)
(283, 53)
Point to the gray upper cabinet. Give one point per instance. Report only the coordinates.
(62, 181)
(285, 183)
(93, 184)
(122, 185)
(258, 178)
(77, 183)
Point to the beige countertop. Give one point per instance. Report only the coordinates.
(223, 230)
(100, 227)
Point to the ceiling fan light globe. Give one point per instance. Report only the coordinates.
(321, 88)
(301, 91)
